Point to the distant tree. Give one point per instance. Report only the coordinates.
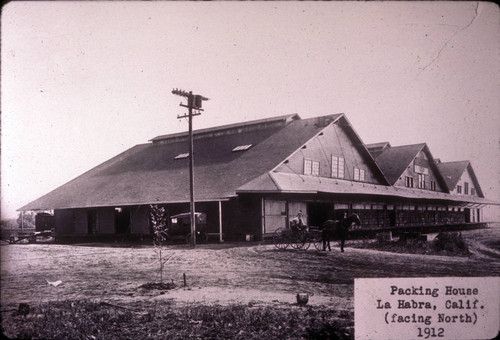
(10, 223)
(28, 218)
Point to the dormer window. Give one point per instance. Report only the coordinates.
(242, 147)
(337, 166)
(421, 181)
(182, 156)
(311, 167)
(409, 182)
(359, 175)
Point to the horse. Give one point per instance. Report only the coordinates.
(338, 229)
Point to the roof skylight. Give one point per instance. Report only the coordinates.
(242, 147)
(182, 156)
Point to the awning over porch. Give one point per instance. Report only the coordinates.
(280, 182)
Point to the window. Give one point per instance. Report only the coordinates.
(182, 156)
(459, 189)
(473, 192)
(409, 182)
(311, 167)
(466, 188)
(433, 185)
(337, 167)
(421, 181)
(307, 167)
(359, 175)
(242, 147)
(315, 168)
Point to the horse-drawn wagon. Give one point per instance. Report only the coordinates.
(299, 236)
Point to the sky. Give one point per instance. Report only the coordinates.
(84, 81)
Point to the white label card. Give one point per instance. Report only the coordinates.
(427, 308)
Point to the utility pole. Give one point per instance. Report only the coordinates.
(194, 104)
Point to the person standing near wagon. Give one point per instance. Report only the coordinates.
(300, 220)
(343, 231)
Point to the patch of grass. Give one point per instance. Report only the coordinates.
(94, 320)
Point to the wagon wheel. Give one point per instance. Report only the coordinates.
(317, 239)
(307, 240)
(280, 238)
(298, 240)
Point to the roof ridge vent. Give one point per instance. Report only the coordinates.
(230, 129)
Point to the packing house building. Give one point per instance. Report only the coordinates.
(252, 178)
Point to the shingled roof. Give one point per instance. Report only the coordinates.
(394, 160)
(149, 173)
(453, 171)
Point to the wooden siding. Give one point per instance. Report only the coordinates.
(106, 220)
(275, 214)
(421, 161)
(139, 220)
(81, 222)
(333, 142)
(64, 223)
(465, 178)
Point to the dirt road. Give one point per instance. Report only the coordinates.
(221, 273)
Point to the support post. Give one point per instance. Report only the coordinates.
(220, 222)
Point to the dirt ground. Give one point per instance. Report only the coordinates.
(247, 273)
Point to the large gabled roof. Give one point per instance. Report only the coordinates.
(148, 173)
(453, 171)
(394, 160)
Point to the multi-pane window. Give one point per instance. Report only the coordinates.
(315, 168)
(421, 181)
(338, 167)
(466, 188)
(409, 181)
(311, 167)
(359, 175)
(307, 167)
(459, 189)
(433, 185)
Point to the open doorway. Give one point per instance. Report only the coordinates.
(122, 220)
(319, 212)
(467, 213)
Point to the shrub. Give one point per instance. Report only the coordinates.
(452, 242)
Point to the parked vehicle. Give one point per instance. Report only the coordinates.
(180, 226)
(44, 221)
